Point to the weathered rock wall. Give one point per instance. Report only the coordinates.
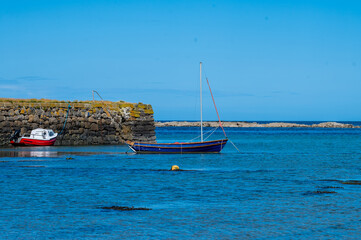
(88, 123)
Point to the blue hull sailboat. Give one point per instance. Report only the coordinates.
(193, 147)
(214, 146)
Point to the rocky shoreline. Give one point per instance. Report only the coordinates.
(255, 124)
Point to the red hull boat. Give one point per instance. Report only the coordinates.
(32, 142)
(38, 137)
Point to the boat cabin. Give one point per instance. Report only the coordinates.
(41, 134)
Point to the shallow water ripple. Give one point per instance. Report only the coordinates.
(286, 184)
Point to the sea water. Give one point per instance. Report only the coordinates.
(285, 183)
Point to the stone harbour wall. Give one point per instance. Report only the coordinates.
(88, 122)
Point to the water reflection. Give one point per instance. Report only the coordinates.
(29, 154)
(51, 152)
(41, 154)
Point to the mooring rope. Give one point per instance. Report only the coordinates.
(234, 145)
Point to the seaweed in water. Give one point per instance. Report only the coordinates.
(334, 187)
(119, 208)
(352, 182)
(318, 192)
(329, 180)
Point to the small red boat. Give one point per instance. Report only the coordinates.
(37, 137)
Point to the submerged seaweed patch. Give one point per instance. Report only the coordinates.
(317, 192)
(351, 182)
(119, 208)
(329, 180)
(35, 166)
(332, 187)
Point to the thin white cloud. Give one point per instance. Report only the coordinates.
(9, 87)
(33, 78)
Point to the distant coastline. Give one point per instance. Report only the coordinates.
(242, 124)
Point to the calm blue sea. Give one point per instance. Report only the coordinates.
(275, 188)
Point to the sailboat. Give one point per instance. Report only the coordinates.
(214, 146)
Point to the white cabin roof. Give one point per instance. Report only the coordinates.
(40, 130)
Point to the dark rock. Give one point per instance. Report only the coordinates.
(52, 120)
(94, 127)
(31, 118)
(91, 120)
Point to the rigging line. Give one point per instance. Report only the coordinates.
(98, 95)
(104, 105)
(234, 145)
(203, 134)
(211, 133)
(193, 139)
(219, 119)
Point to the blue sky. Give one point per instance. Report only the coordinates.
(266, 60)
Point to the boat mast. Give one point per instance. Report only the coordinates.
(200, 80)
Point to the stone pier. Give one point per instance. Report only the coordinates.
(86, 122)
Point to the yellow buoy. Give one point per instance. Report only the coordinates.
(175, 168)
